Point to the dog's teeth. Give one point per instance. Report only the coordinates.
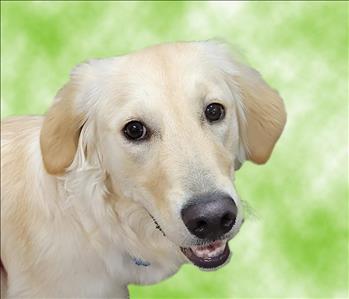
(208, 251)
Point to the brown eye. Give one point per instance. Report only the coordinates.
(135, 130)
(214, 112)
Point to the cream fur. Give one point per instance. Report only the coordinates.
(76, 196)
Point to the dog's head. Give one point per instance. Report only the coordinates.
(170, 124)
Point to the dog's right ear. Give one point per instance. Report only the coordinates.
(60, 131)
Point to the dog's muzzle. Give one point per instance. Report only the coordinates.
(209, 217)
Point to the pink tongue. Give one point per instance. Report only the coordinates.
(211, 246)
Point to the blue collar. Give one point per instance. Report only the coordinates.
(139, 262)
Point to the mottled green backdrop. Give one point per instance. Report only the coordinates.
(295, 245)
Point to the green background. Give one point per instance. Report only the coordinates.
(294, 243)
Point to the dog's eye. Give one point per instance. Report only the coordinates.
(135, 130)
(214, 112)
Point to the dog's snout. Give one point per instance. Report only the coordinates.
(210, 216)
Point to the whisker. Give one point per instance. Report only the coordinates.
(249, 212)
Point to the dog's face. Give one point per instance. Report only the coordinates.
(170, 126)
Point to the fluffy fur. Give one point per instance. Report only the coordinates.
(76, 196)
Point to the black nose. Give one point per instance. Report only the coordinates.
(210, 215)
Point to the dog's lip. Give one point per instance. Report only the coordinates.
(208, 256)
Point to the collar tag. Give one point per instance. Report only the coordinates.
(139, 262)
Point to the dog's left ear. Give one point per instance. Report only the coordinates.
(264, 114)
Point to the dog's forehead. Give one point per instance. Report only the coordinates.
(163, 65)
(163, 57)
(166, 72)
(162, 82)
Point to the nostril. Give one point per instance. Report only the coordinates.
(227, 221)
(201, 226)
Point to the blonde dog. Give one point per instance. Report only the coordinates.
(130, 173)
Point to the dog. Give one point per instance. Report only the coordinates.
(130, 174)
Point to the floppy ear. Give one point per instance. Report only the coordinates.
(264, 114)
(60, 131)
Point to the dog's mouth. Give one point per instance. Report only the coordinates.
(208, 256)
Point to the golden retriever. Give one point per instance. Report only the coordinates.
(130, 173)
